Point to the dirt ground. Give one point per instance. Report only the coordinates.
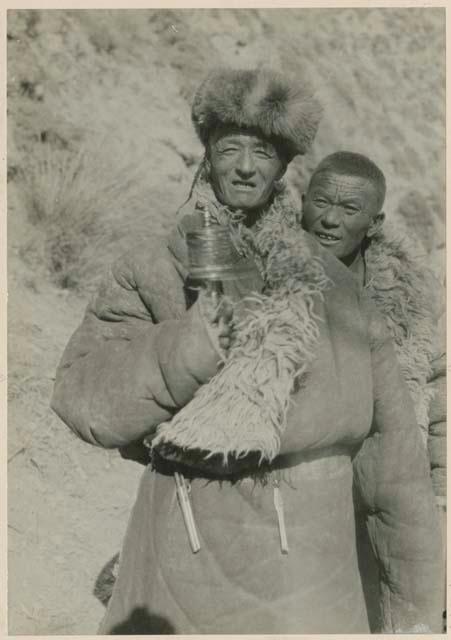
(99, 133)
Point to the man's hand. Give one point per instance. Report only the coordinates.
(191, 353)
(218, 316)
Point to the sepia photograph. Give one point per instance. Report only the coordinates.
(226, 321)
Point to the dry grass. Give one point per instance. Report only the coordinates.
(91, 154)
(125, 94)
(73, 198)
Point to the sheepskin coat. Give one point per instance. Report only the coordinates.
(398, 281)
(351, 428)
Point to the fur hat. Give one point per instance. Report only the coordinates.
(281, 108)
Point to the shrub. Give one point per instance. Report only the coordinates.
(77, 200)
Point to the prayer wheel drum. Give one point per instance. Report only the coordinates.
(212, 255)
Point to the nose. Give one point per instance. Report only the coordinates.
(245, 167)
(331, 217)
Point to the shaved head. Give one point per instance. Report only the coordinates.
(343, 203)
(353, 164)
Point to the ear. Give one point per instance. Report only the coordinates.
(282, 171)
(303, 200)
(375, 224)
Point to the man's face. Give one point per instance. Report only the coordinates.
(340, 210)
(244, 167)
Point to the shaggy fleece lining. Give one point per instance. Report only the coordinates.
(404, 292)
(243, 408)
(277, 332)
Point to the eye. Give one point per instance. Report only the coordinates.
(320, 202)
(228, 150)
(226, 147)
(262, 153)
(352, 209)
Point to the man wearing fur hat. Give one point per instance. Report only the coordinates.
(343, 209)
(244, 522)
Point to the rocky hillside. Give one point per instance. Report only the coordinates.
(101, 152)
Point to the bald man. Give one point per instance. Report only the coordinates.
(343, 209)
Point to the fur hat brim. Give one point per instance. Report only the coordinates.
(262, 99)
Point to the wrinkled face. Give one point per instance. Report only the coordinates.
(244, 167)
(340, 210)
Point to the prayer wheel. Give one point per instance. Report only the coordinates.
(212, 255)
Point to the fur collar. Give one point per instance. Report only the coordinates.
(405, 292)
(276, 342)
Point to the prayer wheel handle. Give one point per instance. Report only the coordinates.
(214, 291)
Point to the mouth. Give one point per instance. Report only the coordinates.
(243, 185)
(327, 238)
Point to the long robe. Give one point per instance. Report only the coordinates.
(351, 427)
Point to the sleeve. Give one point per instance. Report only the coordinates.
(123, 373)
(393, 477)
(437, 416)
